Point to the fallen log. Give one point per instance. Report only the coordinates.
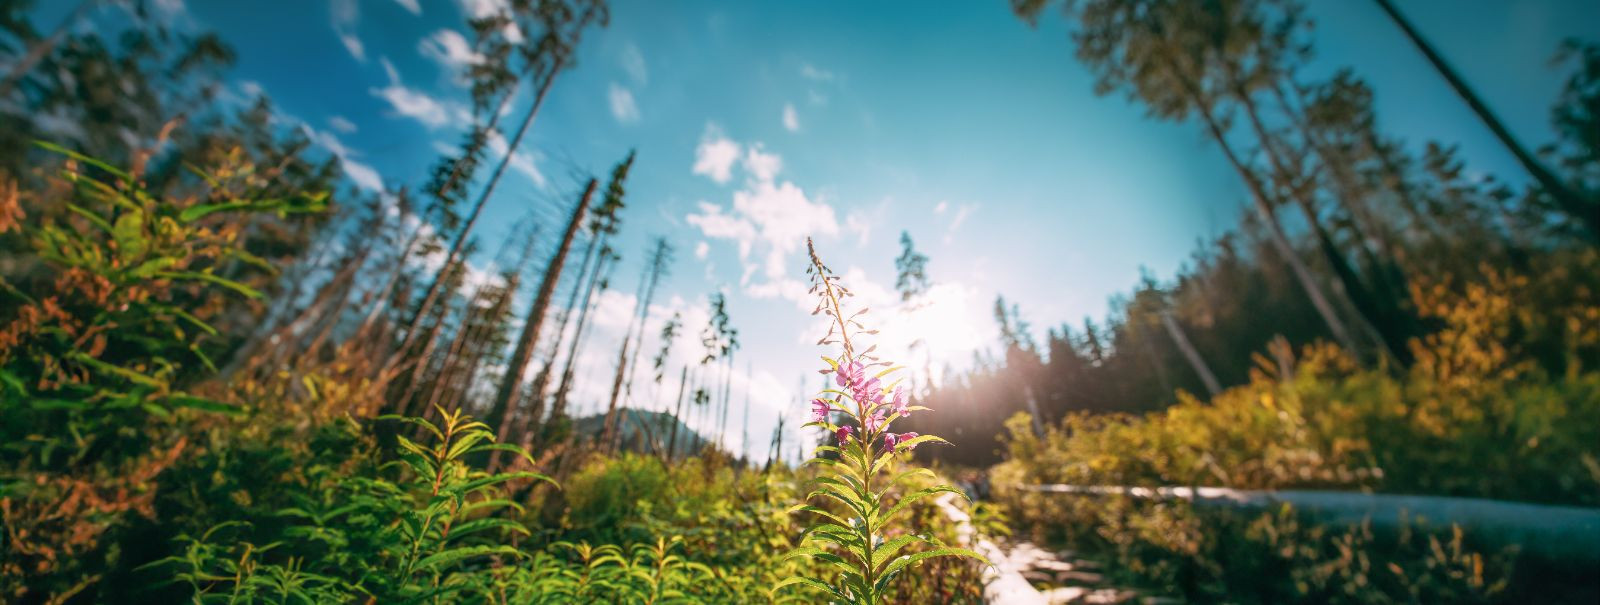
(1565, 534)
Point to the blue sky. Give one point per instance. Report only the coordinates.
(758, 123)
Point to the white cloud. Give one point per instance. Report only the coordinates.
(170, 8)
(702, 249)
(478, 9)
(788, 289)
(964, 211)
(344, 14)
(633, 63)
(856, 222)
(411, 5)
(715, 155)
(814, 73)
(363, 175)
(791, 119)
(941, 207)
(520, 161)
(816, 98)
(353, 44)
(773, 219)
(623, 108)
(341, 124)
(773, 216)
(761, 165)
(449, 49)
(713, 223)
(419, 105)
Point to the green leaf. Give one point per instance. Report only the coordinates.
(415, 421)
(11, 380)
(913, 497)
(83, 158)
(129, 235)
(93, 218)
(184, 400)
(151, 267)
(904, 561)
(470, 486)
(247, 291)
(807, 508)
(130, 375)
(886, 551)
(507, 447)
(804, 581)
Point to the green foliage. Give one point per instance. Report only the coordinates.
(418, 530)
(106, 328)
(1476, 415)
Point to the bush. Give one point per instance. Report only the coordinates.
(1477, 415)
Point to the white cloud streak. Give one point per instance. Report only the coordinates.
(418, 105)
(623, 107)
(791, 118)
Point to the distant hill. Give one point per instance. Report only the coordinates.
(638, 426)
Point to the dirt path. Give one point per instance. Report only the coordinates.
(1018, 567)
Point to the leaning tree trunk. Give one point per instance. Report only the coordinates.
(529, 423)
(1195, 360)
(640, 317)
(511, 384)
(559, 407)
(677, 414)
(435, 289)
(1263, 206)
(43, 48)
(1585, 211)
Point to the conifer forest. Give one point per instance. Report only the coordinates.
(616, 301)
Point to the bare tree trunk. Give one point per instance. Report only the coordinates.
(43, 48)
(634, 322)
(505, 397)
(608, 428)
(479, 347)
(647, 287)
(387, 291)
(424, 358)
(1571, 202)
(677, 414)
(744, 434)
(1263, 206)
(1195, 360)
(541, 382)
(1368, 315)
(589, 302)
(449, 366)
(727, 396)
(435, 288)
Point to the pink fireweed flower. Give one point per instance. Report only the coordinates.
(850, 374)
(868, 393)
(892, 441)
(842, 434)
(873, 422)
(901, 404)
(819, 409)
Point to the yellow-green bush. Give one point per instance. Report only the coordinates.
(1478, 415)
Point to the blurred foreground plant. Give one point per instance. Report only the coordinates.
(108, 292)
(860, 539)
